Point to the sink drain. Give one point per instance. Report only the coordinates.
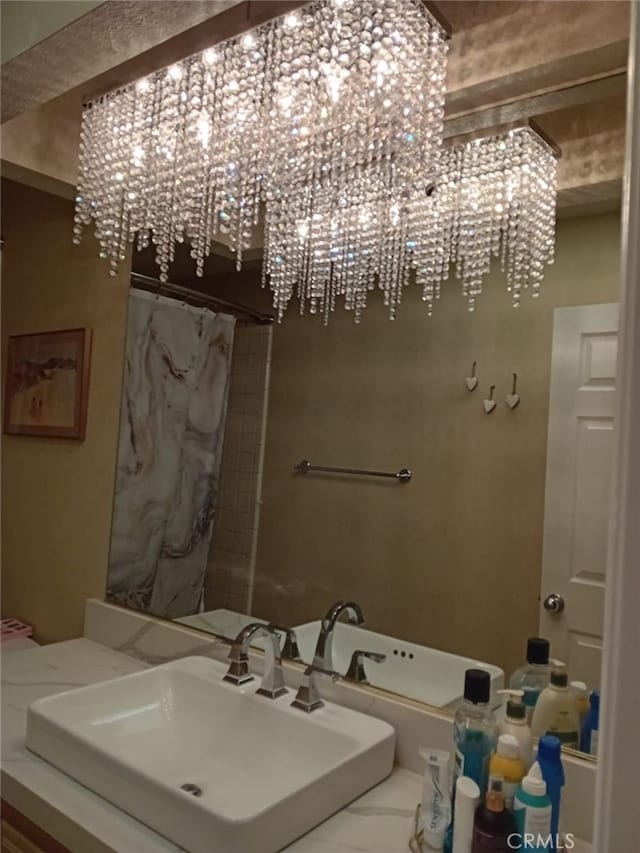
(190, 788)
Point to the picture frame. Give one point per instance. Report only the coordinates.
(47, 384)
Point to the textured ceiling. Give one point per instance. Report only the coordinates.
(26, 24)
(111, 34)
(570, 77)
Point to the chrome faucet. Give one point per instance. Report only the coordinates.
(307, 698)
(356, 669)
(323, 658)
(272, 677)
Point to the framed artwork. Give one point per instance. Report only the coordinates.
(47, 384)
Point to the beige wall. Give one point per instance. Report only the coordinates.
(57, 494)
(451, 560)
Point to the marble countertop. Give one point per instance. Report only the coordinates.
(379, 822)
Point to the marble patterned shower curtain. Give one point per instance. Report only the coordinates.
(174, 403)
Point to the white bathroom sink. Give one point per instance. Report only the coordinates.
(264, 772)
(222, 622)
(419, 672)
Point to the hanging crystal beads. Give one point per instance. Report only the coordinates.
(327, 121)
(325, 124)
(496, 197)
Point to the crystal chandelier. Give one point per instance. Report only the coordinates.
(495, 196)
(329, 118)
(327, 124)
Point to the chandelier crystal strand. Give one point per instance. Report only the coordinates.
(496, 198)
(330, 117)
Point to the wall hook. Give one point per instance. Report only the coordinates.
(489, 403)
(472, 381)
(513, 399)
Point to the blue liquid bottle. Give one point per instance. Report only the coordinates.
(474, 730)
(589, 734)
(475, 733)
(550, 761)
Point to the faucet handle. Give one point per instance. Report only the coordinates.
(238, 672)
(307, 698)
(272, 677)
(356, 669)
(290, 648)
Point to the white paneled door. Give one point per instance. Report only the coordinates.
(578, 486)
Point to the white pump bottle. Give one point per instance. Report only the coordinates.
(515, 723)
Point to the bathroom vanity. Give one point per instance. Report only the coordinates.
(380, 820)
(119, 643)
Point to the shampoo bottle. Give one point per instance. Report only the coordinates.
(556, 712)
(533, 677)
(550, 763)
(493, 825)
(532, 812)
(589, 736)
(474, 730)
(515, 723)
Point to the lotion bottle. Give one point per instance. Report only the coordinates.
(506, 762)
(532, 811)
(580, 693)
(556, 712)
(515, 723)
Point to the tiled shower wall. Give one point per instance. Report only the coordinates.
(231, 563)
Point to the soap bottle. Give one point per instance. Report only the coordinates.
(506, 762)
(532, 812)
(556, 712)
(474, 730)
(580, 693)
(493, 825)
(550, 761)
(589, 735)
(533, 677)
(515, 723)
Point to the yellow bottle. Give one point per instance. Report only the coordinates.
(506, 762)
(580, 693)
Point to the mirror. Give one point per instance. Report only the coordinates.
(223, 514)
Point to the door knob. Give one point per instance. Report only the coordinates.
(554, 603)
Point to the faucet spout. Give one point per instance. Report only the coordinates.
(323, 656)
(272, 677)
